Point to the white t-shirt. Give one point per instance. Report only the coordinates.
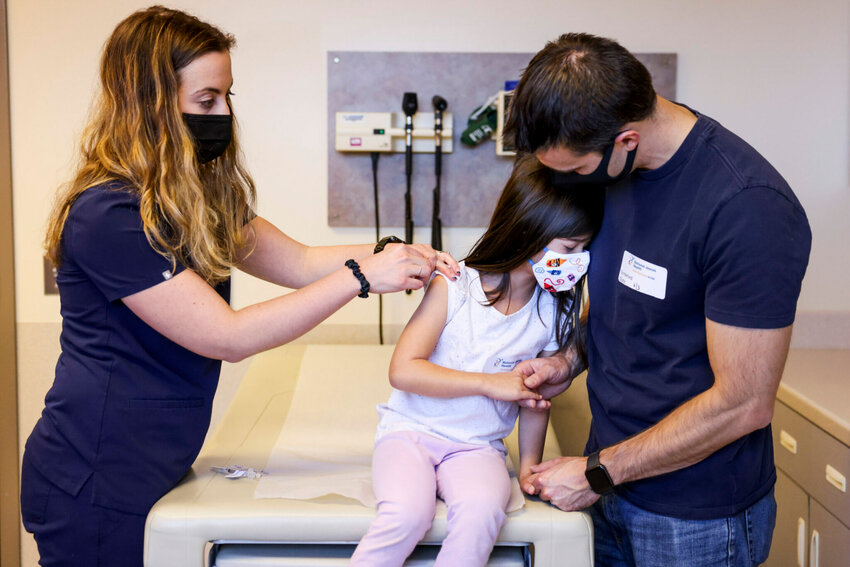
(476, 338)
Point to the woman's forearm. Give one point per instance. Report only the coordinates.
(271, 255)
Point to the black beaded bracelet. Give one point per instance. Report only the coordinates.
(364, 284)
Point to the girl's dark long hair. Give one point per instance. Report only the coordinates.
(531, 212)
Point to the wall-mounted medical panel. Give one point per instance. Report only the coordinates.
(385, 132)
(472, 177)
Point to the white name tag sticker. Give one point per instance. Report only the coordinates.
(643, 276)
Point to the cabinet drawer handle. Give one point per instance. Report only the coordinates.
(801, 542)
(787, 441)
(814, 550)
(836, 479)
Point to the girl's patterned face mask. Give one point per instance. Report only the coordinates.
(559, 272)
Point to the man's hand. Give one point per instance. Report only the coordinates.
(547, 376)
(562, 482)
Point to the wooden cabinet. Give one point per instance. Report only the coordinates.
(813, 506)
(829, 539)
(792, 524)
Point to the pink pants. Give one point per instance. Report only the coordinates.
(408, 470)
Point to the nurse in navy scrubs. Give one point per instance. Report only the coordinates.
(144, 237)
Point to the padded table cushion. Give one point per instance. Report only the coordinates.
(206, 507)
(325, 445)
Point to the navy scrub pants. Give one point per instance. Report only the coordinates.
(70, 531)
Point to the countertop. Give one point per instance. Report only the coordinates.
(816, 384)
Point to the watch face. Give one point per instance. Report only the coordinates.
(599, 480)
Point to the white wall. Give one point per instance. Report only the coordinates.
(777, 72)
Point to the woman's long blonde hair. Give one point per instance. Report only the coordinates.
(192, 214)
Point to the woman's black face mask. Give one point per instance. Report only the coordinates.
(212, 134)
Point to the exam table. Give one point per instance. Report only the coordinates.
(214, 521)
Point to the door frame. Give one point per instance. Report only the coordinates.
(10, 522)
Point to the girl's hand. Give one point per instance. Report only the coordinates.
(526, 482)
(536, 405)
(402, 266)
(508, 387)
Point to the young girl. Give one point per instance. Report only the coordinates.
(455, 390)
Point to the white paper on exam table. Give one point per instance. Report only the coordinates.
(325, 444)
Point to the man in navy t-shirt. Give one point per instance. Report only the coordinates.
(693, 286)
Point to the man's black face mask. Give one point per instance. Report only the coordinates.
(598, 176)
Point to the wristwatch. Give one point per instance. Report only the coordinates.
(597, 475)
(387, 240)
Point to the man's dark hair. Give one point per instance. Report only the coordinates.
(578, 92)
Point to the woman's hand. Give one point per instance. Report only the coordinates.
(445, 263)
(402, 266)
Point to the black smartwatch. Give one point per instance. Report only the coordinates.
(597, 475)
(382, 243)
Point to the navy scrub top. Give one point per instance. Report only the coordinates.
(128, 408)
(722, 236)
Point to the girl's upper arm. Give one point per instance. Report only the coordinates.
(420, 335)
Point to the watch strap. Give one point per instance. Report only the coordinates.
(597, 475)
(382, 243)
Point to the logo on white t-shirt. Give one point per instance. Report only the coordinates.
(503, 365)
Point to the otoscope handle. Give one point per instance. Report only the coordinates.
(440, 106)
(437, 234)
(408, 230)
(408, 220)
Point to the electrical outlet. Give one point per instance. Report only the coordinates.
(50, 287)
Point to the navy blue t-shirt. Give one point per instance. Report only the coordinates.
(714, 233)
(128, 407)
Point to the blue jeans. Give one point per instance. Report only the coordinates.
(627, 535)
